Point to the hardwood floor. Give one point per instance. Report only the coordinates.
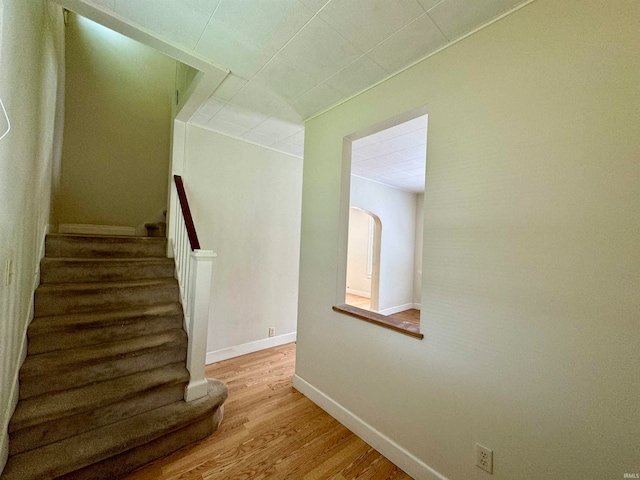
(270, 430)
(412, 315)
(357, 301)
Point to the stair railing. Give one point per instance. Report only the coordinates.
(193, 271)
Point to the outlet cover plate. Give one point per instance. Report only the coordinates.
(484, 458)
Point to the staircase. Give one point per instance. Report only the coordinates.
(102, 387)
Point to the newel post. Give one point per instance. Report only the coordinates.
(200, 294)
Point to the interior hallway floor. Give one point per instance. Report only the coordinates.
(270, 430)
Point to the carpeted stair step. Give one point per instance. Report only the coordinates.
(57, 405)
(81, 246)
(112, 450)
(155, 389)
(126, 462)
(63, 369)
(59, 332)
(101, 389)
(62, 299)
(81, 270)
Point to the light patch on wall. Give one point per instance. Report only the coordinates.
(105, 33)
(5, 124)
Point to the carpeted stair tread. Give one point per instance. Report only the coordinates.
(126, 462)
(46, 433)
(64, 245)
(45, 408)
(104, 286)
(61, 299)
(60, 332)
(101, 389)
(90, 320)
(57, 362)
(63, 270)
(60, 370)
(76, 452)
(73, 321)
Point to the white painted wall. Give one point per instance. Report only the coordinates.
(358, 282)
(31, 87)
(531, 259)
(397, 211)
(417, 256)
(246, 203)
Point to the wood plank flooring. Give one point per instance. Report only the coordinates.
(270, 430)
(412, 315)
(358, 301)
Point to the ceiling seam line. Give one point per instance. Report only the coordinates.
(435, 52)
(268, 147)
(438, 26)
(207, 26)
(281, 48)
(365, 54)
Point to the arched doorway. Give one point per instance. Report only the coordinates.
(363, 259)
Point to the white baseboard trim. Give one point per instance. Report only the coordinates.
(360, 293)
(399, 308)
(408, 462)
(417, 306)
(238, 350)
(82, 229)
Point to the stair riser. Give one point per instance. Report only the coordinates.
(50, 407)
(113, 247)
(119, 465)
(85, 272)
(112, 450)
(82, 336)
(59, 429)
(65, 302)
(101, 390)
(78, 375)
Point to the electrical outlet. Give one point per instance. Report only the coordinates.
(484, 458)
(272, 331)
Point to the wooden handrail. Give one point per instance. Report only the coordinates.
(186, 213)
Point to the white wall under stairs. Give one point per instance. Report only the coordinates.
(246, 203)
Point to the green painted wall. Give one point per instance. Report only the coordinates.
(115, 160)
(185, 75)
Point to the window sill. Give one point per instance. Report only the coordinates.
(384, 321)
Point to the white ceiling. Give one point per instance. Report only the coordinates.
(395, 156)
(291, 59)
